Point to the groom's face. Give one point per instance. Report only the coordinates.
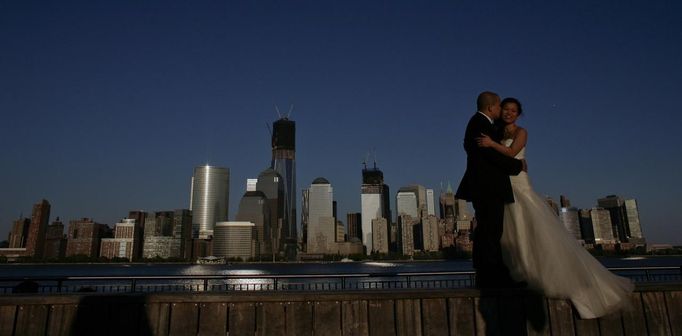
(496, 110)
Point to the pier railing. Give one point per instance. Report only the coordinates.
(283, 282)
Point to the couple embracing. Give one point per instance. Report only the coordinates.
(518, 240)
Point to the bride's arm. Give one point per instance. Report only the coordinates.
(517, 144)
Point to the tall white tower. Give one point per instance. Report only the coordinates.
(209, 199)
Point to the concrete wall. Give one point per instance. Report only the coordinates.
(656, 310)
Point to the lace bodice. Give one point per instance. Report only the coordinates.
(521, 154)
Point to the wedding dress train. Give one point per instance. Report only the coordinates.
(538, 249)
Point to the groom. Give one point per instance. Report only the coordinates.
(486, 185)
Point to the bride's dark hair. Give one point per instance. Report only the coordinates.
(512, 100)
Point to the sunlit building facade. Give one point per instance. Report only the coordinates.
(570, 217)
(209, 199)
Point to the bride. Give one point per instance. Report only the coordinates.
(539, 250)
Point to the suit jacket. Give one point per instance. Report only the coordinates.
(487, 172)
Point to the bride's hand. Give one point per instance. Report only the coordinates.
(484, 141)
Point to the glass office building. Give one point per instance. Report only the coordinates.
(209, 199)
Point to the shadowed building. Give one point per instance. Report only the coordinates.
(463, 220)
(234, 240)
(84, 237)
(284, 163)
(35, 242)
(140, 217)
(616, 207)
(270, 183)
(182, 231)
(448, 210)
(253, 208)
(624, 218)
(159, 240)
(19, 233)
(586, 227)
(209, 199)
(354, 221)
(55, 242)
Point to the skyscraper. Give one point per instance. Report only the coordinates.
(284, 162)
(19, 233)
(564, 201)
(380, 235)
(158, 236)
(571, 220)
(586, 227)
(430, 203)
(463, 216)
(55, 243)
(406, 225)
(375, 204)
(321, 224)
(182, 230)
(447, 206)
(270, 183)
(619, 218)
(354, 222)
(603, 229)
(632, 211)
(253, 208)
(406, 203)
(35, 242)
(209, 199)
(138, 240)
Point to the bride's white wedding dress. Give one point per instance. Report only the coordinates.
(539, 250)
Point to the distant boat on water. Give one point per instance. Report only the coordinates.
(211, 260)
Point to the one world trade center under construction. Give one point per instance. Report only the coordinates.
(284, 162)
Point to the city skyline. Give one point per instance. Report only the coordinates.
(108, 107)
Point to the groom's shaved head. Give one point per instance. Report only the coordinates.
(485, 99)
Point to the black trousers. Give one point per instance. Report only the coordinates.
(487, 254)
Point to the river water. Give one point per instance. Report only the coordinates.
(369, 267)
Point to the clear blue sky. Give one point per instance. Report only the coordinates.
(108, 106)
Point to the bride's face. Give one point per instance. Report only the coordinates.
(510, 112)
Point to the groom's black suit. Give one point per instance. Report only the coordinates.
(486, 185)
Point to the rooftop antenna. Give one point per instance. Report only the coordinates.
(269, 129)
(277, 109)
(364, 162)
(375, 157)
(291, 108)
